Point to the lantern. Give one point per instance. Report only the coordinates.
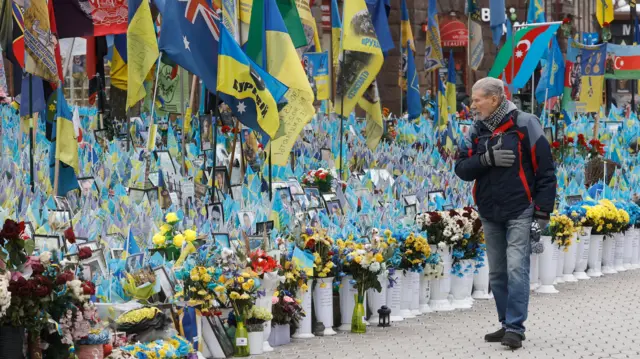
(385, 317)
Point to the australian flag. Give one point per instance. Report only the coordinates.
(190, 37)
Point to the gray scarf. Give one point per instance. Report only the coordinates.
(493, 121)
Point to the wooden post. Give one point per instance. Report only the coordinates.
(233, 149)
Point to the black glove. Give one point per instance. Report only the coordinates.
(498, 158)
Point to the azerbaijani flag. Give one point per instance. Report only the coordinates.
(622, 62)
(510, 62)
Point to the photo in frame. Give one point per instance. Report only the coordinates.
(206, 132)
(334, 207)
(548, 133)
(302, 200)
(411, 210)
(94, 266)
(49, 243)
(87, 185)
(410, 199)
(221, 179)
(166, 162)
(295, 187)
(314, 196)
(222, 240)
(285, 197)
(262, 226)
(236, 192)
(215, 213)
(134, 262)
(217, 342)
(246, 219)
(166, 285)
(326, 155)
(575, 199)
(256, 241)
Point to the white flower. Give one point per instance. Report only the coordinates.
(226, 253)
(45, 258)
(5, 295)
(446, 232)
(374, 267)
(442, 246)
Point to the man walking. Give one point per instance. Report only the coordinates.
(507, 155)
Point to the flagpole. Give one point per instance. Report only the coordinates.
(155, 89)
(184, 122)
(32, 139)
(342, 113)
(402, 83)
(214, 117)
(633, 15)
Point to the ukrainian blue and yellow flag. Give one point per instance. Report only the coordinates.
(592, 66)
(336, 31)
(283, 63)
(141, 39)
(119, 70)
(66, 141)
(443, 108)
(433, 47)
(406, 37)
(414, 103)
(356, 44)
(451, 83)
(250, 92)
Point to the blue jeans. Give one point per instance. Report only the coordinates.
(508, 250)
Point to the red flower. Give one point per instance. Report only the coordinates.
(235, 130)
(64, 277)
(84, 253)
(605, 24)
(88, 288)
(322, 176)
(37, 268)
(580, 137)
(569, 139)
(311, 243)
(566, 20)
(225, 129)
(555, 144)
(42, 286)
(69, 235)
(107, 349)
(11, 230)
(260, 146)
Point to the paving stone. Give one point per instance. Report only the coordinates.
(591, 319)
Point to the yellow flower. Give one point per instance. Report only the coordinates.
(165, 228)
(234, 295)
(202, 292)
(387, 233)
(222, 279)
(206, 278)
(158, 239)
(171, 218)
(240, 279)
(246, 274)
(245, 296)
(304, 287)
(178, 240)
(190, 235)
(247, 286)
(276, 293)
(251, 282)
(219, 289)
(357, 259)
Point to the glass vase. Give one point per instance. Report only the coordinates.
(241, 345)
(358, 319)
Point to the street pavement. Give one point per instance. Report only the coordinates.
(596, 318)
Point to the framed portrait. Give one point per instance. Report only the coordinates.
(217, 342)
(264, 226)
(246, 219)
(49, 243)
(87, 185)
(326, 155)
(295, 187)
(62, 204)
(256, 241)
(236, 192)
(432, 195)
(215, 212)
(314, 219)
(548, 133)
(411, 210)
(334, 207)
(221, 179)
(313, 194)
(329, 196)
(116, 252)
(136, 195)
(134, 262)
(166, 285)
(222, 240)
(571, 200)
(280, 184)
(59, 219)
(101, 137)
(166, 162)
(302, 200)
(96, 265)
(206, 132)
(410, 199)
(285, 197)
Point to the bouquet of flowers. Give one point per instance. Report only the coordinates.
(169, 240)
(140, 284)
(16, 244)
(318, 242)
(577, 213)
(412, 252)
(240, 287)
(471, 245)
(561, 230)
(262, 263)
(294, 277)
(434, 268)
(595, 218)
(286, 309)
(198, 287)
(174, 348)
(320, 178)
(560, 149)
(256, 317)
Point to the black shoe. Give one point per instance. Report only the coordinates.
(495, 337)
(512, 340)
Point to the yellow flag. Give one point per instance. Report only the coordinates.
(604, 11)
(309, 24)
(370, 102)
(357, 71)
(142, 50)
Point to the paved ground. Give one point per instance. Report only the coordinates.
(596, 318)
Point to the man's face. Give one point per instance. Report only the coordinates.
(247, 221)
(482, 104)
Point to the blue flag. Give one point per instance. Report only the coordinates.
(132, 245)
(536, 11)
(414, 104)
(37, 95)
(497, 19)
(191, 30)
(379, 10)
(552, 74)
